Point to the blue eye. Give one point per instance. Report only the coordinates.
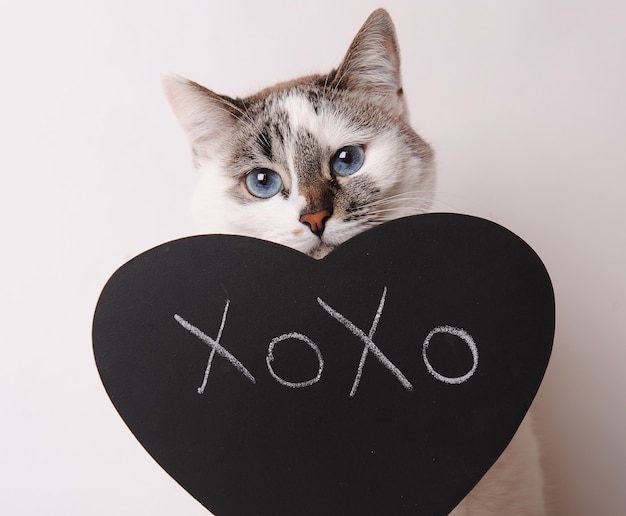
(348, 160)
(263, 183)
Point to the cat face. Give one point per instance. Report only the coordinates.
(312, 162)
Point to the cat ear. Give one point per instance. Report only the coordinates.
(372, 63)
(206, 117)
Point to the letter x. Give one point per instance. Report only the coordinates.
(215, 348)
(368, 343)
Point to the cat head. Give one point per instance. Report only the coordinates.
(311, 162)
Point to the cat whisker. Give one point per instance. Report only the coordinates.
(407, 196)
(253, 125)
(400, 209)
(246, 118)
(413, 208)
(382, 215)
(339, 78)
(324, 88)
(233, 107)
(440, 205)
(420, 198)
(457, 198)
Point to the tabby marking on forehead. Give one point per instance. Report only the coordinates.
(302, 115)
(328, 122)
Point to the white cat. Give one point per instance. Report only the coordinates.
(312, 162)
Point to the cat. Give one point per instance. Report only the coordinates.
(312, 162)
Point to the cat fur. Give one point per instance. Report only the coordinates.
(294, 128)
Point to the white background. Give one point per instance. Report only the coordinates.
(524, 101)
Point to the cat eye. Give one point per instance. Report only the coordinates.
(263, 183)
(347, 160)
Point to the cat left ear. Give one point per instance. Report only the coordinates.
(372, 63)
(207, 118)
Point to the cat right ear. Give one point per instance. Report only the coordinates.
(206, 117)
(372, 63)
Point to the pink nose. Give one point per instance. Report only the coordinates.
(316, 221)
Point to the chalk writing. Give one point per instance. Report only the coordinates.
(368, 343)
(215, 347)
(270, 358)
(368, 347)
(462, 334)
(212, 354)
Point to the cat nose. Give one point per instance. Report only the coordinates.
(316, 220)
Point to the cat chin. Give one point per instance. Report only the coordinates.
(337, 232)
(319, 251)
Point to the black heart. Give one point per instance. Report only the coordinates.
(451, 317)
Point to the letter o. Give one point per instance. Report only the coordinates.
(462, 334)
(270, 357)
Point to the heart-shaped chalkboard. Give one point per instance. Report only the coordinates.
(384, 379)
